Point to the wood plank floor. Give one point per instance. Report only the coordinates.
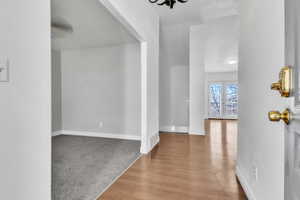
(185, 167)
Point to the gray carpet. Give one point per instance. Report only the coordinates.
(82, 167)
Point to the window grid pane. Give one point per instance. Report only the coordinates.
(215, 99)
(231, 96)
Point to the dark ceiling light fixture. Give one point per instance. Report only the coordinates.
(60, 27)
(169, 3)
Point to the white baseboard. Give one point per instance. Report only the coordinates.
(56, 133)
(245, 184)
(154, 140)
(174, 129)
(96, 134)
(197, 133)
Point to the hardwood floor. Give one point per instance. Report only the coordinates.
(185, 167)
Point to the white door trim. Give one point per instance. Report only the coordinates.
(145, 143)
(121, 136)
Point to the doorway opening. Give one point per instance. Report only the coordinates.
(97, 98)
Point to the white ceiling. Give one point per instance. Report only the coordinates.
(196, 11)
(93, 25)
(220, 19)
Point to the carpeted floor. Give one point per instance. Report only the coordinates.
(83, 167)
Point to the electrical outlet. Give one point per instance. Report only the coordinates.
(100, 124)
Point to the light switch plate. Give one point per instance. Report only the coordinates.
(4, 70)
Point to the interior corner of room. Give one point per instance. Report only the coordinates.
(198, 81)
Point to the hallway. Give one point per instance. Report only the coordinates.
(185, 167)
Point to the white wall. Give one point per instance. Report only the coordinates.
(217, 77)
(144, 21)
(260, 142)
(221, 76)
(56, 91)
(221, 47)
(222, 44)
(102, 85)
(198, 35)
(174, 77)
(25, 103)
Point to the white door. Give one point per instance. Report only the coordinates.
(223, 100)
(292, 135)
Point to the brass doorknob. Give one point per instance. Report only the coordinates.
(276, 86)
(284, 85)
(276, 116)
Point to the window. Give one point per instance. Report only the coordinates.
(223, 100)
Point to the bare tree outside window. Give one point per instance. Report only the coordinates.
(231, 106)
(223, 100)
(215, 99)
